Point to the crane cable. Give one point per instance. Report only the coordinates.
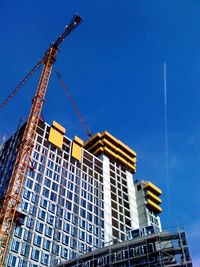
(82, 121)
(21, 84)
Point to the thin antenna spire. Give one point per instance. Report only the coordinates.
(166, 137)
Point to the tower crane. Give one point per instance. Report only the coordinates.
(12, 197)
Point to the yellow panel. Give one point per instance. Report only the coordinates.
(154, 206)
(153, 197)
(55, 138)
(89, 141)
(76, 151)
(58, 127)
(152, 187)
(78, 141)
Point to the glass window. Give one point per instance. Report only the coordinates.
(18, 232)
(37, 240)
(58, 223)
(83, 193)
(82, 235)
(64, 253)
(84, 185)
(50, 219)
(29, 183)
(50, 164)
(47, 182)
(75, 219)
(35, 254)
(57, 168)
(69, 195)
(52, 207)
(56, 177)
(56, 249)
(12, 261)
(82, 223)
(25, 249)
(65, 239)
(53, 196)
(43, 203)
(89, 216)
(42, 215)
(75, 209)
(60, 211)
(70, 186)
(48, 231)
(63, 181)
(90, 198)
(15, 246)
(83, 202)
(32, 210)
(51, 156)
(74, 230)
(66, 227)
(62, 191)
(27, 236)
(39, 227)
(73, 243)
(89, 227)
(90, 207)
(36, 155)
(23, 263)
(34, 198)
(57, 235)
(96, 220)
(55, 187)
(45, 192)
(48, 173)
(26, 194)
(24, 206)
(47, 244)
(89, 239)
(43, 159)
(37, 188)
(29, 222)
(81, 247)
(45, 259)
(82, 213)
(41, 168)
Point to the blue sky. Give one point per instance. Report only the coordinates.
(113, 65)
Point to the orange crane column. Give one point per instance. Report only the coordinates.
(13, 194)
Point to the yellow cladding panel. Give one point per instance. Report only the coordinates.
(154, 206)
(55, 138)
(58, 127)
(78, 141)
(152, 187)
(153, 197)
(76, 151)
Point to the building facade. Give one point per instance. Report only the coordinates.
(76, 197)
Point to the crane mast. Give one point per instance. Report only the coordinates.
(12, 197)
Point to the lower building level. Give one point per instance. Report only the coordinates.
(152, 250)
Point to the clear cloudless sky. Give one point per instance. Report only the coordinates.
(113, 65)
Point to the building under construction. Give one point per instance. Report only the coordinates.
(63, 198)
(156, 249)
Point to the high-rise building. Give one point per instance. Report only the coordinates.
(76, 196)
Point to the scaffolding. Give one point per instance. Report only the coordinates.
(168, 249)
